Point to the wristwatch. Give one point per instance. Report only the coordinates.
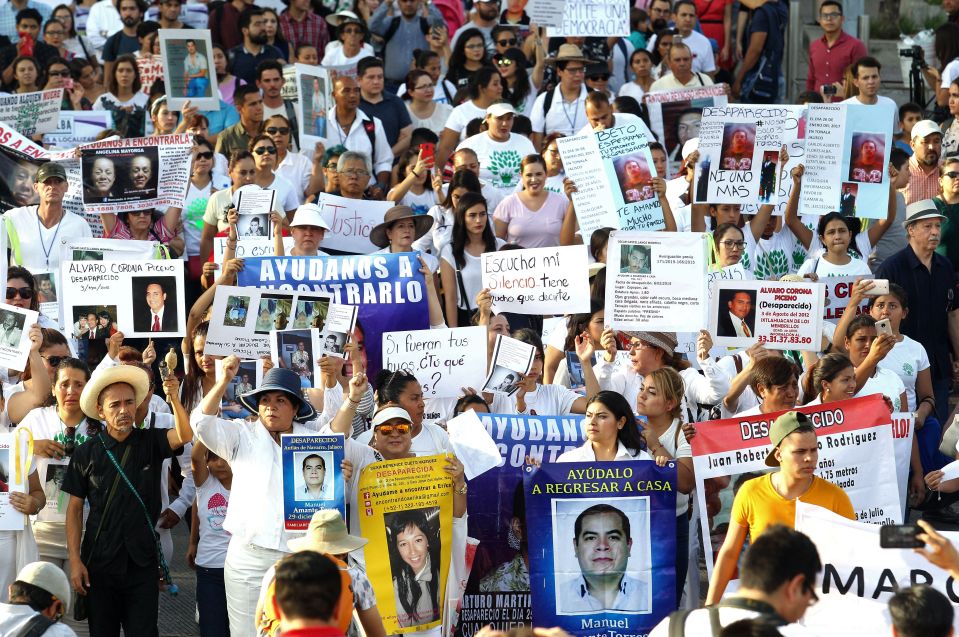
(463, 490)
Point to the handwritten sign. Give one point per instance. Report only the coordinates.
(668, 109)
(444, 361)
(351, 222)
(538, 280)
(838, 291)
(32, 113)
(600, 18)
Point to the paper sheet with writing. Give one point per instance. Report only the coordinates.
(444, 361)
(593, 18)
(537, 280)
(778, 315)
(351, 221)
(32, 113)
(511, 361)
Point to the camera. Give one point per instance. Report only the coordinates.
(829, 89)
(916, 53)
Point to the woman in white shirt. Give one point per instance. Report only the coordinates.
(264, 156)
(641, 62)
(611, 432)
(460, 259)
(424, 110)
(348, 48)
(834, 233)
(866, 349)
(441, 232)
(305, 176)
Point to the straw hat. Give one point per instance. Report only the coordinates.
(129, 374)
(327, 534)
(423, 224)
(568, 53)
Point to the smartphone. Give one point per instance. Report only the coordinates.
(68, 84)
(828, 89)
(879, 287)
(900, 536)
(428, 151)
(883, 326)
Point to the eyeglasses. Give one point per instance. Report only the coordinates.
(54, 361)
(282, 130)
(952, 174)
(207, 154)
(576, 70)
(353, 31)
(729, 245)
(599, 78)
(58, 73)
(331, 165)
(640, 345)
(387, 430)
(263, 150)
(25, 293)
(355, 172)
(138, 213)
(809, 588)
(504, 62)
(830, 16)
(424, 87)
(52, 32)
(510, 42)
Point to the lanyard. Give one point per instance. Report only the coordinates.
(46, 250)
(571, 122)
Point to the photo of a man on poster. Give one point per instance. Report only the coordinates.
(737, 316)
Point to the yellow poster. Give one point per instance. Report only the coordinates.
(406, 512)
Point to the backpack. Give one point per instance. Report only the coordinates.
(394, 26)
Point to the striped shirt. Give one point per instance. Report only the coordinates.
(922, 184)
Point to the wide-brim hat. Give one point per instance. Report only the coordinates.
(327, 534)
(423, 224)
(569, 53)
(129, 374)
(343, 18)
(921, 210)
(286, 381)
(665, 341)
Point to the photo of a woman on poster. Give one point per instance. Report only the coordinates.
(414, 546)
(196, 70)
(102, 178)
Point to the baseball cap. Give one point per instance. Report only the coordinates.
(50, 169)
(782, 427)
(924, 128)
(499, 109)
(47, 577)
(309, 214)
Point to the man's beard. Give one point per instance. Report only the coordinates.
(130, 21)
(260, 38)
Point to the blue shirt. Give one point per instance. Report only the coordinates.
(222, 119)
(8, 17)
(245, 63)
(392, 112)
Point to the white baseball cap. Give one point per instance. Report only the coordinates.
(309, 214)
(500, 108)
(924, 128)
(50, 578)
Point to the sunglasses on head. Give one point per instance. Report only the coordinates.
(263, 150)
(25, 293)
(282, 130)
(387, 430)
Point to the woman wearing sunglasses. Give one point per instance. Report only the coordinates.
(264, 157)
(147, 225)
(349, 47)
(519, 84)
(306, 176)
(48, 348)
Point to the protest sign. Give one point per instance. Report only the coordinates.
(315, 88)
(838, 290)
(846, 160)
(779, 315)
(729, 273)
(794, 139)
(398, 496)
(903, 430)
(674, 117)
(32, 113)
(546, 13)
(51, 473)
(599, 18)
(289, 91)
(296, 350)
(142, 299)
(656, 281)
(388, 289)
(859, 576)
(620, 195)
(78, 127)
(106, 250)
(497, 592)
(509, 365)
(254, 225)
(134, 174)
(335, 332)
(856, 454)
(248, 377)
(312, 478)
(249, 248)
(15, 324)
(629, 509)
(537, 280)
(13, 477)
(739, 154)
(188, 72)
(351, 221)
(443, 361)
(243, 318)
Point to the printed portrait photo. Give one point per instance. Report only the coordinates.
(737, 313)
(504, 543)
(189, 63)
(94, 322)
(601, 555)
(11, 328)
(313, 92)
(514, 13)
(244, 381)
(154, 303)
(295, 348)
(88, 255)
(51, 486)
(46, 287)
(847, 198)
(503, 380)
(313, 476)
(310, 313)
(866, 155)
(333, 343)
(253, 226)
(5, 476)
(767, 175)
(273, 313)
(16, 187)
(719, 493)
(635, 259)
(635, 177)
(114, 176)
(237, 308)
(737, 150)
(413, 540)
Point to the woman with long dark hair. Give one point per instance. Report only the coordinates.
(468, 57)
(518, 88)
(612, 432)
(485, 89)
(124, 98)
(414, 549)
(201, 370)
(460, 269)
(441, 233)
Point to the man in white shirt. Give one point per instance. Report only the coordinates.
(600, 116)
(354, 129)
(684, 14)
(680, 62)
(866, 78)
(32, 231)
(102, 22)
(566, 111)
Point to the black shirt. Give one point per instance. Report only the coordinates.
(932, 295)
(392, 112)
(90, 476)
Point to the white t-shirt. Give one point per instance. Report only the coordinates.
(39, 245)
(548, 400)
(769, 259)
(334, 55)
(435, 122)
(950, 73)
(471, 273)
(888, 384)
(499, 161)
(462, 115)
(882, 100)
(212, 499)
(297, 170)
(632, 89)
(138, 99)
(906, 359)
(420, 203)
(674, 441)
(703, 60)
(285, 193)
(563, 117)
(822, 268)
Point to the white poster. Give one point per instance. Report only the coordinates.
(314, 86)
(656, 281)
(78, 127)
(546, 13)
(511, 362)
(593, 18)
(538, 280)
(51, 473)
(249, 247)
(778, 315)
(46, 291)
(675, 116)
(142, 299)
(351, 221)
(11, 479)
(32, 113)
(336, 330)
(739, 149)
(188, 72)
(106, 250)
(444, 361)
(15, 324)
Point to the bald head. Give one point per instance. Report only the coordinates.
(346, 94)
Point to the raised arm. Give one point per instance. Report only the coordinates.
(567, 233)
(342, 423)
(659, 185)
(21, 403)
(791, 215)
(182, 433)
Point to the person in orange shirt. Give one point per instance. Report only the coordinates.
(771, 498)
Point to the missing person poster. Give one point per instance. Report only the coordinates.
(314, 85)
(847, 159)
(13, 477)
(537, 280)
(512, 360)
(856, 453)
(244, 317)
(444, 361)
(15, 324)
(497, 591)
(106, 250)
(335, 332)
(656, 281)
(142, 299)
(406, 513)
(32, 113)
(778, 315)
(621, 195)
(46, 291)
(588, 18)
(188, 71)
(546, 13)
(838, 291)
(602, 545)
(136, 174)
(247, 378)
(351, 222)
(78, 127)
(675, 117)
(296, 350)
(312, 478)
(388, 289)
(51, 473)
(739, 154)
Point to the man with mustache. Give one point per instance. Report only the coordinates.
(247, 56)
(924, 164)
(125, 40)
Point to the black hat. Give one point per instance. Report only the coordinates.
(286, 381)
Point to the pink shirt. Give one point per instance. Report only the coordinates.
(539, 229)
(827, 64)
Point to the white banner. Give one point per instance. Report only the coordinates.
(538, 280)
(599, 18)
(444, 361)
(675, 116)
(779, 315)
(351, 221)
(32, 113)
(78, 127)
